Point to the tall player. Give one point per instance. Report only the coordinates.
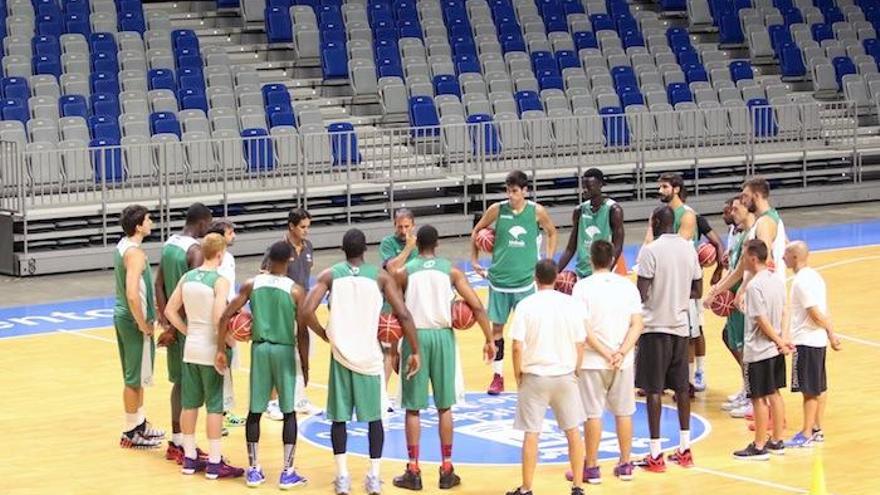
(356, 363)
(512, 273)
(428, 283)
(180, 254)
(278, 331)
(597, 218)
(202, 295)
(133, 317)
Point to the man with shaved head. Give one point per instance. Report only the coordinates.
(811, 331)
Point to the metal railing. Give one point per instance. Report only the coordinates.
(166, 171)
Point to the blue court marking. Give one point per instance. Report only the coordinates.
(83, 314)
(484, 434)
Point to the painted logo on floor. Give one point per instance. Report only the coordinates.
(484, 433)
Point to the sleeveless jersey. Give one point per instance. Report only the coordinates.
(173, 261)
(734, 250)
(592, 227)
(273, 310)
(516, 248)
(355, 305)
(429, 292)
(145, 289)
(676, 224)
(777, 247)
(197, 289)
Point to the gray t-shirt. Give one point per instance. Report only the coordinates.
(765, 296)
(299, 268)
(671, 263)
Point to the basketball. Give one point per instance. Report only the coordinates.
(565, 281)
(707, 254)
(722, 304)
(390, 330)
(240, 326)
(462, 315)
(486, 240)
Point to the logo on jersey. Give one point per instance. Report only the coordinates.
(592, 231)
(429, 264)
(484, 433)
(515, 232)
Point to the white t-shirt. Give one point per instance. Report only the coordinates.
(807, 291)
(550, 325)
(610, 300)
(227, 271)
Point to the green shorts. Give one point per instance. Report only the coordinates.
(130, 341)
(272, 366)
(501, 304)
(736, 329)
(437, 353)
(175, 358)
(349, 391)
(201, 384)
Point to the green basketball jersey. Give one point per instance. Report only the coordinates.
(735, 252)
(516, 247)
(591, 227)
(429, 293)
(145, 289)
(173, 261)
(676, 224)
(273, 310)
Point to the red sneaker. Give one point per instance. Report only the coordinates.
(652, 464)
(174, 453)
(497, 385)
(684, 459)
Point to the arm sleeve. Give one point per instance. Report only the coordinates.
(756, 305)
(801, 292)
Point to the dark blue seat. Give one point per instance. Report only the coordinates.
(730, 30)
(105, 104)
(15, 87)
(602, 22)
(614, 126)
(467, 63)
(678, 92)
(104, 62)
(187, 58)
(107, 160)
(585, 39)
(566, 59)
(50, 65)
(192, 99)
(46, 45)
(275, 94)
(104, 82)
(280, 115)
(104, 127)
(279, 28)
(334, 60)
(741, 70)
(161, 79)
(73, 106)
(446, 84)
(51, 24)
(542, 61)
(842, 67)
(483, 134)
(553, 81)
(258, 153)
(191, 78)
(102, 42)
(527, 100)
(132, 21)
(791, 61)
(15, 109)
(631, 97)
(164, 123)
(76, 23)
(822, 32)
(344, 143)
(423, 116)
(764, 122)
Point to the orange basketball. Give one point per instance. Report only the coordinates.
(565, 281)
(390, 330)
(462, 315)
(240, 326)
(722, 304)
(486, 240)
(707, 254)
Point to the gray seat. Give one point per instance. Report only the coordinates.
(133, 80)
(198, 151)
(392, 95)
(43, 107)
(316, 144)
(75, 161)
(538, 129)
(134, 125)
(252, 117)
(42, 131)
(162, 100)
(287, 146)
(74, 128)
(641, 124)
(194, 121)
(223, 119)
(453, 134)
(168, 154)
(665, 122)
(45, 85)
(221, 97)
(138, 156)
(855, 90)
(824, 80)
(44, 166)
(510, 132)
(363, 78)
(589, 125)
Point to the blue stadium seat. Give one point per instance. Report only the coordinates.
(190, 78)
(161, 79)
(104, 62)
(105, 104)
(741, 70)
(678, 92)
(76, 7)
(46, 45)
(164, 123)
(542, 61)
(446, 84)
(104, 82)
(423, 113)
(389, 67)
(73, 106)
(279, 28)
(15, 109)
(585, 39)
(764, 121)
(104, 127)
(102, 42)
(188, 58)
(344, 143)
(483, 134)
(184, 38)
(695, 72)
(132, 21)
(466, 63)
(408, 28)
(107, 160)
(791, 61)
(527, 100)
(258, 150)
(566, 59)
(280, 115)
(512, 43)
(275, 94)
(842, 67)
(602, 22)
(334, 60)
(614, 126)
(46, 65)
(51, 25)
(76, 23)
(15, 87)
(551, 82)
(632, 97)
(192, 99)
(673, 5)
(822, 32)
(730, 30)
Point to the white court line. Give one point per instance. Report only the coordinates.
(80, 333)
(860, 341)
(748, 479)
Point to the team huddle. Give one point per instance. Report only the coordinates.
(581, 347)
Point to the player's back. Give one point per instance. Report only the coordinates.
(355, 305)
(273, 310)
(198, 302)
(174, 260)
(429, 292)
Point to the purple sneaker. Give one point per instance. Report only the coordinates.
(255, 477)
(624, 471)
(290, 480)
(222, 470)
(192, 466)
(592, 475)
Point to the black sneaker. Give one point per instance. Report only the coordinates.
(576, 490)
(409, 480)
(519, 491)
(775, 448)
(448, 479)
(752, 453)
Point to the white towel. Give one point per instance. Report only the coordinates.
(147, 362)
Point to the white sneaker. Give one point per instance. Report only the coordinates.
(742, 411)
(274, 411)
(305, 406)
(700, 381)
(736, 397)
(734, 401)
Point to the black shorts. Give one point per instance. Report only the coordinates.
(662, 363)
(765, 377)
(808, 370)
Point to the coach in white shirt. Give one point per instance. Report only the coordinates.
(548, 333)
(606, 380)
(227, 266)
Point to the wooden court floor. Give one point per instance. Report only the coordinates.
(60, 418)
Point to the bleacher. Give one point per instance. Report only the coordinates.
(360, 106)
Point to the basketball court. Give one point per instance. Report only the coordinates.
(60, 405)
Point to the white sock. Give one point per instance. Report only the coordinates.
(341, 465)
(374, 467)
(655, 447)
(177, 439)
(691, 370)
(141, 411)
(214, 450)
(498, 367)
(684, 442)
(189, 446)
(131, 421)
(700, 361)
